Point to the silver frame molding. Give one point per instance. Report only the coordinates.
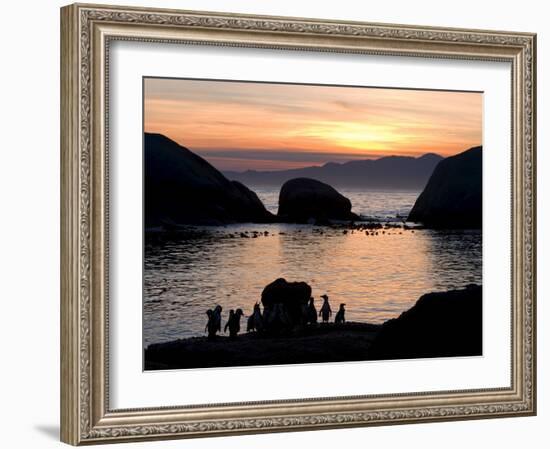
(86, 33)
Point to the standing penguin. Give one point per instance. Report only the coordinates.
(250, 322)
(234, 322)
(258, 320)
(210, 324)
(325, 311)
(311, 312)
(340, 315)
(229, 320)
(255, 322)
(217, 319)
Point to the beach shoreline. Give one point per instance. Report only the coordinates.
(323, 343)
(433, 327)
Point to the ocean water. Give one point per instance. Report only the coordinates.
(376, 276)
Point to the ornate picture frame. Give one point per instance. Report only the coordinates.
(87, 32)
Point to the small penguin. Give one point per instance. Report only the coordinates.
(311, 312)
(340, 315)
(255, 322)
(229, 319)
(234, 322)
(250, 323)
(325, 311)
(209, 328)
(217, 319)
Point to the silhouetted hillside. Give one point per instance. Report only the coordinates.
(183, 188)
(392, 172)
(453, 196)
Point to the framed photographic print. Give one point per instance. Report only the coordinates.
(279, 224)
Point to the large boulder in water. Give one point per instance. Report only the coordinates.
(183, 188)
(284, 304)
(304, 199)
(446, 324)
(453, 196)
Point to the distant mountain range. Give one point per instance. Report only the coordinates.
(392, 172)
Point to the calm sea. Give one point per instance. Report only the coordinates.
(377, 277)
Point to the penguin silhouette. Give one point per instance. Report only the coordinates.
(325, 311)
(234, 322)
(311, 311)
(209, 328)
(340, 315)
(217, 319)
(255, 321)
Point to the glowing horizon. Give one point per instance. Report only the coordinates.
(241, 125)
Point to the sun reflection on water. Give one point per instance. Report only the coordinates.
(377, 276)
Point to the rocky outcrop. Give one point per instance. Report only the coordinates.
(284, 304)
(183, 188)
(447, 324)
(453, 196)
(304, 200)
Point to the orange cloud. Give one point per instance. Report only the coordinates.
(340, 123)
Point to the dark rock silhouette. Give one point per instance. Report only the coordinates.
(452, 198)
(182, 188)
(392, 172)
(284, 304)
(446, 324)
(303, 199)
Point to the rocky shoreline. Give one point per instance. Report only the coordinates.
(181, 188)
(442, 324)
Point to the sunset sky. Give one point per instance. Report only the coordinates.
(239, 126)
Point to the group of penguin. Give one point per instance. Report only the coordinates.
(256, 321)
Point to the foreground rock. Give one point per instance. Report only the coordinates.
(445, 324)
(284, 305)
(183, 188)
(452, 197)
(304, 200)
